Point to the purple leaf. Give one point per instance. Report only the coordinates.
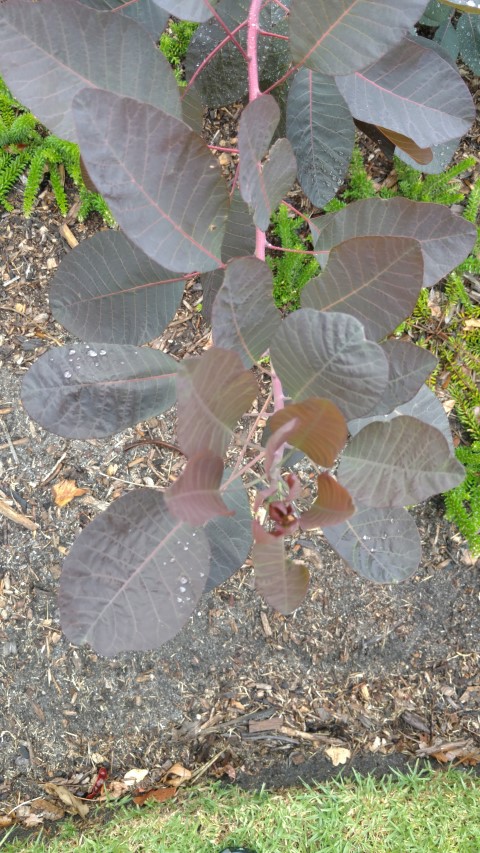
(239, 241)
(276, 178)
(381, 545)
(399, 462)
(65, 47)
(136, 155)
(106, 289)
(229, 537)
(446, 239)
(409, 367)
(326, 355)
(375, 279)
(321, 131)
(341, 37)
(332, 505)
(188, 10)
(425, 406)
(414, 91)
(95, 390)
(213, 392)
(195, 496)
(133, 576)
(145, 13)
(263, 187)
(316, 426)
(283, 583)
(244, 316)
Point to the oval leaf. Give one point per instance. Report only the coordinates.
(327, 355)
(446, 239)
(399, 462)
(66, 47)
(244, 316)
(94, 390)
(346, 35)
(318, 428)
(283, 583)
(332, 505)
(381, 545)
(133, 152)
(133, 576)
(195, 496)
(321, 131)
(106, 289)
(413, 91)
(213, 392)
(425, 406)
(150, 16)
(409, 367)
(375, 279)
(229, 537)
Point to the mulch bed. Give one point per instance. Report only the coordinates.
(360, 673)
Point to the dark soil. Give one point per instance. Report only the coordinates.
(389, 673)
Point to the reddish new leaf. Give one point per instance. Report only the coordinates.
(283, 583)
(195, 496)
(213, 391)
(317, 427)
(332, 505)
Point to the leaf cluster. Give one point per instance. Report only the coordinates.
(343, 391)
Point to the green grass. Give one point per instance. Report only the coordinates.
(421, 812)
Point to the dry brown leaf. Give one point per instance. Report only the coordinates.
(472, 323)
(116, 789)
(135, 776)
(65, 491)
(73, 804)
(46, 809)
(158, 794)
(5, 820)
(338, 755)
(177, 775)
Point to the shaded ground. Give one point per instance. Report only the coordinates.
(377, 671)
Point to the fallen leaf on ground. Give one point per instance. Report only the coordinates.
(73, 804)
(472, 323)
(65, 491)
(117, 789)
(135, 776)
(5, 820)
(338, 755)
(44, 809)
(177, 775)
(158, 794)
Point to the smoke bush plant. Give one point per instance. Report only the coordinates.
(340, 387)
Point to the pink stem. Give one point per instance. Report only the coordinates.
(261, 240)
(222, 148)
